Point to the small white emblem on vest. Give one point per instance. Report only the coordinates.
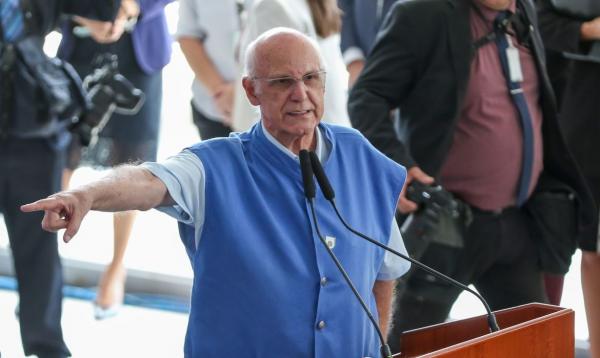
(330, 240)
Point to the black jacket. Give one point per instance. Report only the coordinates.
(559, 33)
(421, 64)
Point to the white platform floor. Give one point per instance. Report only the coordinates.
(135, 332)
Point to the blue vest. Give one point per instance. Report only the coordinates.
(258, 267)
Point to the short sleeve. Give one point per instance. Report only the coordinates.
(393, 266)
(184, 177)
(190, 23)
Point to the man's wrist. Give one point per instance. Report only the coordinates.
(352, 54)
(218, 90)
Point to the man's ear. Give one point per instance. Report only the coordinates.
(250, 89)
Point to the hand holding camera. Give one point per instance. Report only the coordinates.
(590, 30)
(414, 175)
(440, 218)
(432, 197)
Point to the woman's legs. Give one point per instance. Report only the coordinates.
(111, 287)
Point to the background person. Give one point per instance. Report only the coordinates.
(489, 135)
(32, 154)
(142, 51)
(577, 81)
(207, 32)
(361, 20)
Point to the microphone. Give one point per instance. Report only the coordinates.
(309, 191)
(307, 174)
(319, 173)
(330, 196)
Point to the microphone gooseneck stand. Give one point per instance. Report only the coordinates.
(329, 194)
(309, 192)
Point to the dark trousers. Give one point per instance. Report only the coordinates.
(29, 170)
(499, 258)
(554, 287)
(208, 128)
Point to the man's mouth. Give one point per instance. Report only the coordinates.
(299, 113)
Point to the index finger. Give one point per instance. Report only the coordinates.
(43, 204)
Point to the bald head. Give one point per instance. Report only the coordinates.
(286, 79)
(276, 44)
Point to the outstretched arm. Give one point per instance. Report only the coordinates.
(125, 188)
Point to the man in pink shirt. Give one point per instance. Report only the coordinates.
(479, 116)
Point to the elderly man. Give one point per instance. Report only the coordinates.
(263, 284)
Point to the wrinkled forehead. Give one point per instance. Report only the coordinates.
(287, 57)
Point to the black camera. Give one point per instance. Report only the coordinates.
(441, 218)
(433, 196)
(107, 92)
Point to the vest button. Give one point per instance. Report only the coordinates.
(321, 325)
(323, 281)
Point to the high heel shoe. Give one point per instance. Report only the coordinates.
(101, 313)
(110, 295)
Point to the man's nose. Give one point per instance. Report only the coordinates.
(299, 91)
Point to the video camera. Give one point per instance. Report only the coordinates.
(107, 92)
(42, 96)
(432, 195)
(441, 218)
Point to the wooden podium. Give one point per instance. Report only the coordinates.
(532, 330)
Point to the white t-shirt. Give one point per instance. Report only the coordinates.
(216, 24)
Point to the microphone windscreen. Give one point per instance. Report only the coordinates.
(307, 174)
(321, 177)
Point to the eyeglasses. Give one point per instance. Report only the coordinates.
(312, 80)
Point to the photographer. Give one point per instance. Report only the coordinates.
(35, 109)
(479, 115)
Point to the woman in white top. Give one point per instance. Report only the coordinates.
(319, 19)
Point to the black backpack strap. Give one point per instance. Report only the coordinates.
(484, 40)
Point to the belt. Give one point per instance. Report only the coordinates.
(493, 213)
